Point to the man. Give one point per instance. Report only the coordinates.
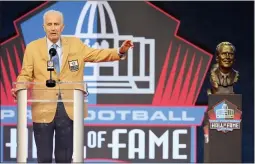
(58, 117)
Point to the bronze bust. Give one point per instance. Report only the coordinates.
(222, 75)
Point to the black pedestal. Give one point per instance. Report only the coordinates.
(224, 147)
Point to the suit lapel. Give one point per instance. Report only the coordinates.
(65, 51)
(45, 52)
(44, 49)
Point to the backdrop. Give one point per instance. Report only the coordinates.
(202, 23)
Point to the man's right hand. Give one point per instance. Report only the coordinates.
(14, 93)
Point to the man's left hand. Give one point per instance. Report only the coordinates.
(125, 46)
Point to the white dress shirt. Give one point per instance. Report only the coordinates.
(58, 49)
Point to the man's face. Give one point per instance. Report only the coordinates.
(53, 26)
(226, 56)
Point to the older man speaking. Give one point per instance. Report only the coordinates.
(48, 118)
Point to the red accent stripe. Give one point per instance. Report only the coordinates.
(3, 94)
(22, 45)
(6, 84)
(191, 95)
(11, 67)
(17, 58)
(186, 83)
(161, 83)
(177, 88)
(170, 82)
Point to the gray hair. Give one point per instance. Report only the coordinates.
(53, 11)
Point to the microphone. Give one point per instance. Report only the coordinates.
(50, 67)
(50, 64)
(52, 52)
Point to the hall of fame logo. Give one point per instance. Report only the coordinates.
(225, 117)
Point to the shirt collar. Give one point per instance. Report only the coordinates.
(225, 75)
(49, 43)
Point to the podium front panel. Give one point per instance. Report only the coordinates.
(225, 129)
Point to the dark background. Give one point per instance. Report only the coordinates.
(205, 24)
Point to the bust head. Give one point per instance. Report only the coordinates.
(225, 55)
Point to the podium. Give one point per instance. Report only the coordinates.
(223, 120)
(72, 93)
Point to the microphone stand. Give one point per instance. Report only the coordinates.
(50, 67)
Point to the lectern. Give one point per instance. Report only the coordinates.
(72, 93)
(223, 120)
